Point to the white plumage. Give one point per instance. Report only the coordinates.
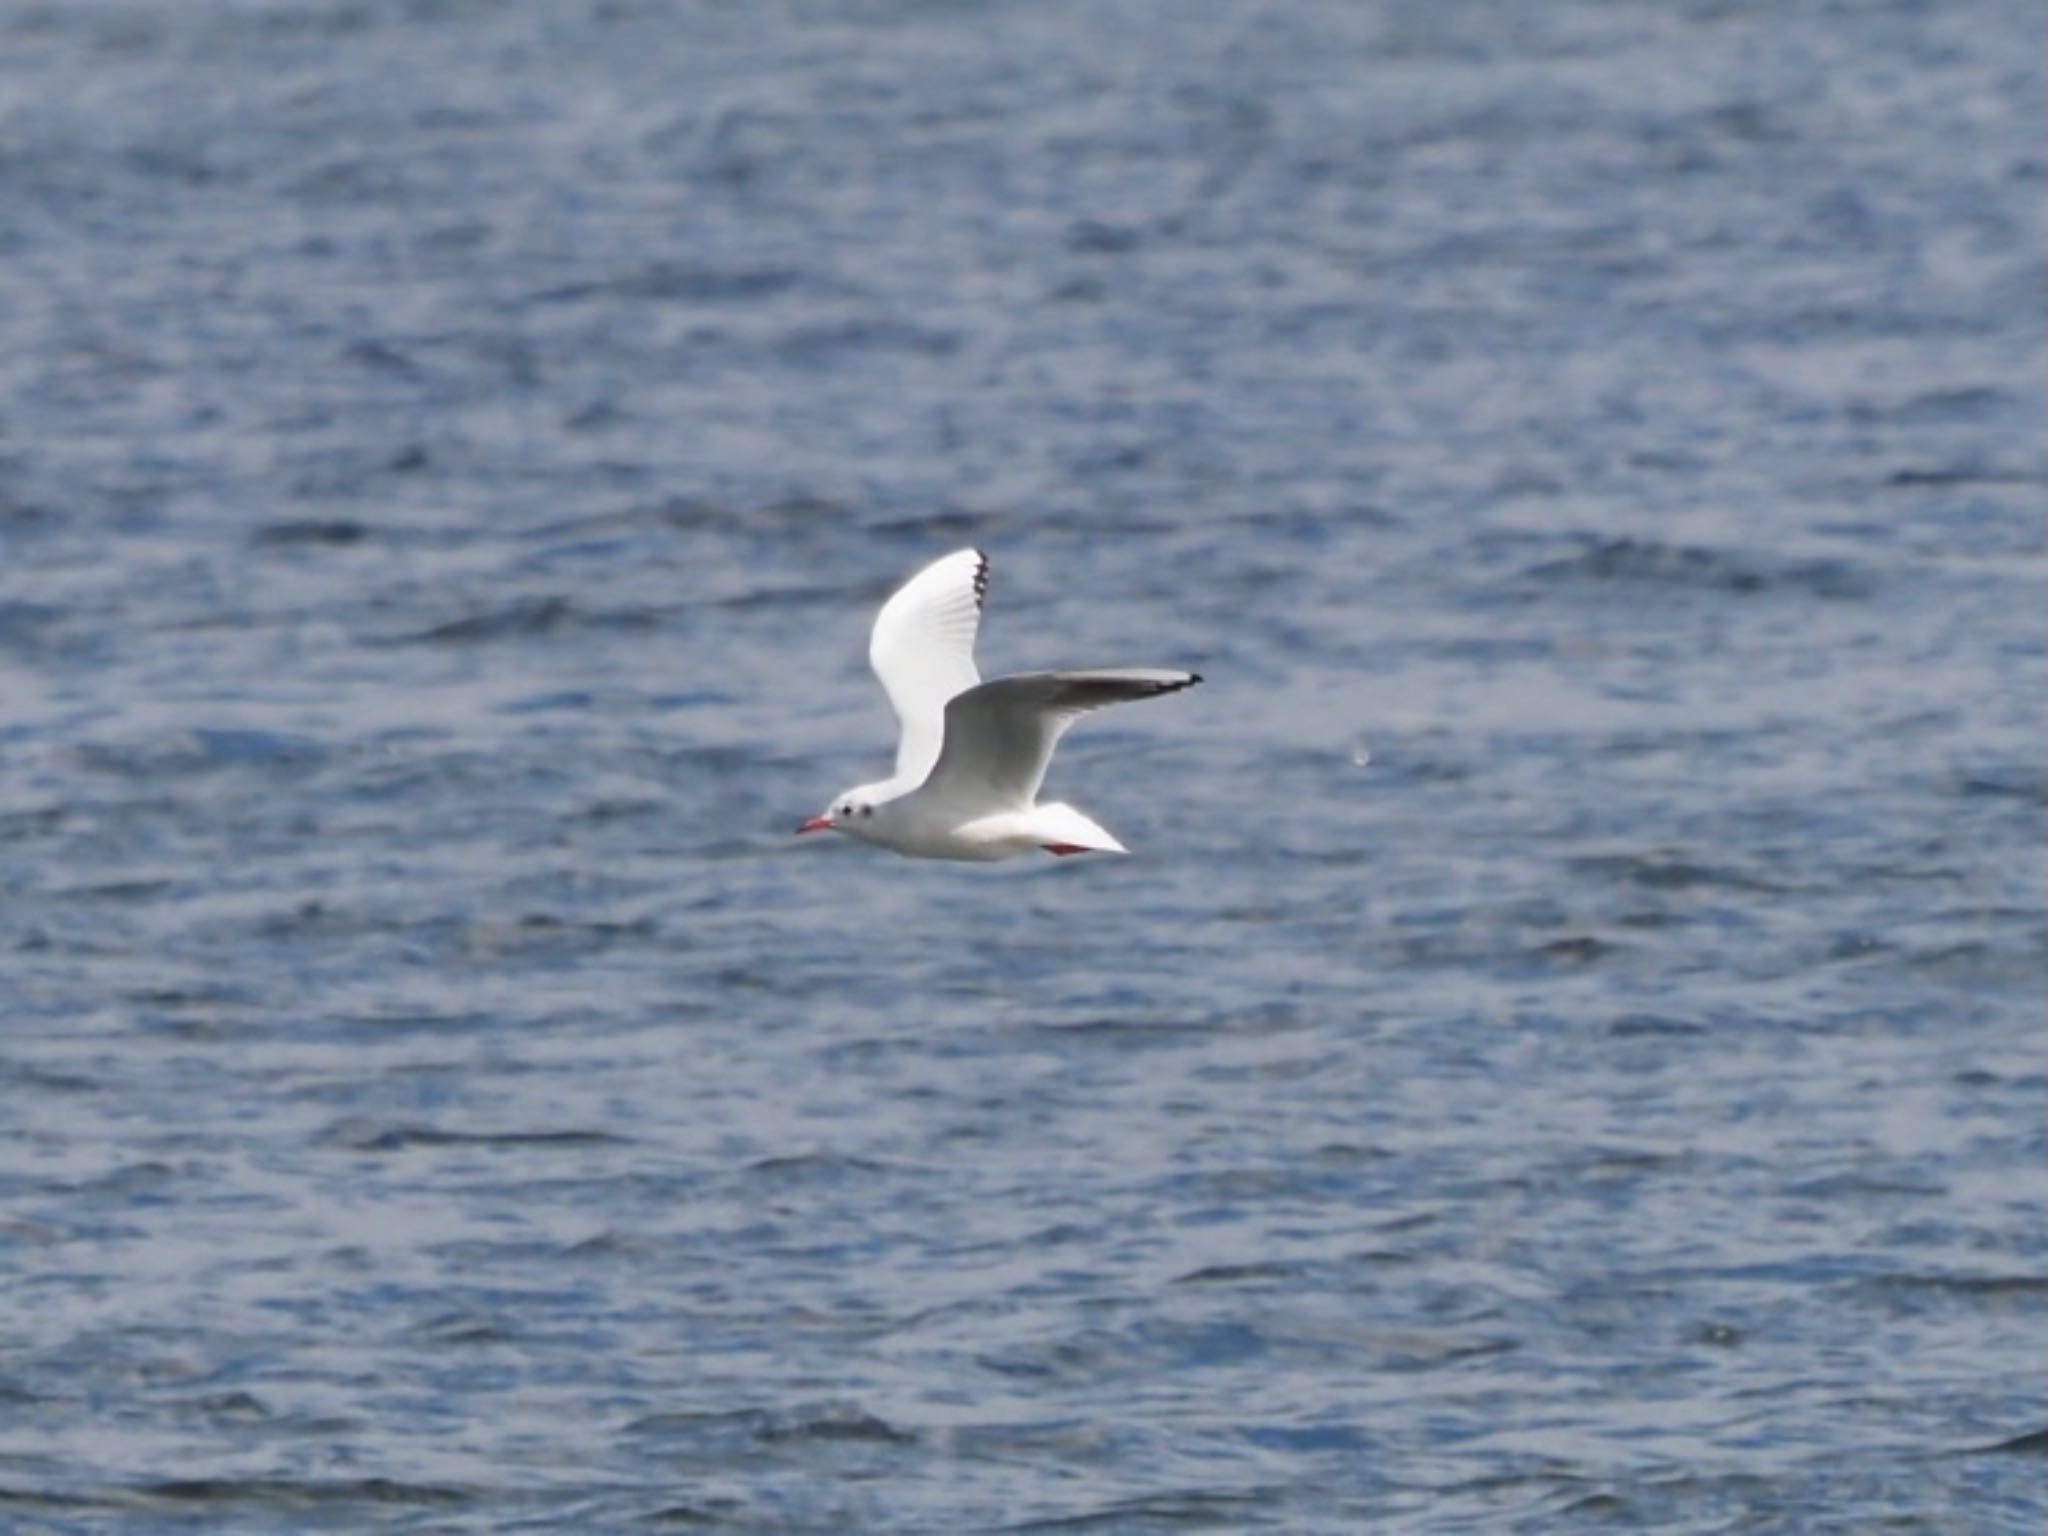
(972, 755)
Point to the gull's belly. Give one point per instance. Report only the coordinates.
(936, 832)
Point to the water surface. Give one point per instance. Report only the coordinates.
(1566, 1050)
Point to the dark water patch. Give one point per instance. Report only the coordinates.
(767, 598)
(828, 1168)
(1414, 1354)
(199, 750)
(1629, 745)
(118, 891)
(1377, 1258)
(29, 629)
(1673, 870)
(624, 808)
(831, 1422)
(1636, 1025)
(2027, 786)
(139, 1181)
(1981, 965)
(685, 1422)
(327, 532)
(1238, 1274)
(612, 1247)
(1647, 563)
(1309, 1439)
(408, 459)
(1488, 652)
(947, 525)
(1187, 1511)
(1620, 1162)
(677, 514)
(539, 936)
(244, 1497)
(2033, 1443)
(217, 995)
(318, 919)
(370, 1027)
(1095, 237)
(1936, 405)
(1120, 1032)
(53, 1502)
(228, 1408)
(370, 1136)
(1862, 1188)
(839, 342)
(1961, 475)
(730, 1514)
(1860, 947)
(2029, 1292)
(1609, 1509)
(597, 418)
(1068, 1362)
(1576, 952)
(35, 1079)
(767, 978)
(22, 825)
(23, 518)
(672, 282)
(382, 357)
(464, 1328)
(529, 618)
(797, 1426)
(574, 701)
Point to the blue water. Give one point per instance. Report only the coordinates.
(1566, 1051)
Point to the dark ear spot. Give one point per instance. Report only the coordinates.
(867, 810)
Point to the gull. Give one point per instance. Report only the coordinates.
(972, 754)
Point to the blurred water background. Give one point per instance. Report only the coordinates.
(1567, 1050)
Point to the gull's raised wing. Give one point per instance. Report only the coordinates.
(999, 736)
(922, 649)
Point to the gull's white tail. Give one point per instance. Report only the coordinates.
(1059, 828)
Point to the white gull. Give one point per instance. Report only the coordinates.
(972, 754)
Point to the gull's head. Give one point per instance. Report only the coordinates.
(850, 812)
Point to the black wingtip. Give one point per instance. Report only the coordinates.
(980, 577)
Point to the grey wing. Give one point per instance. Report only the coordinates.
(1000, 734)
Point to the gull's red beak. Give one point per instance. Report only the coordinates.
(816, 824)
